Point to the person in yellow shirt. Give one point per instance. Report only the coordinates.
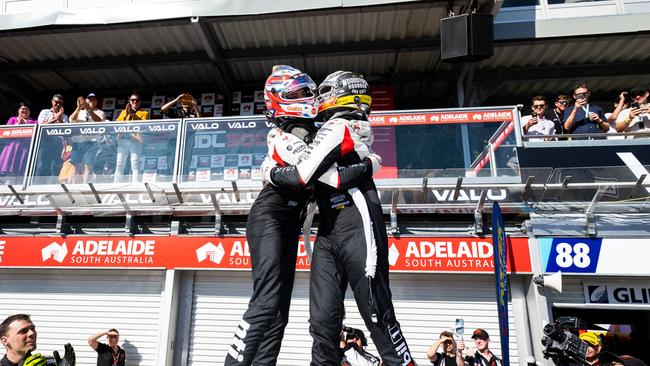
(130, 143)
(132, 111)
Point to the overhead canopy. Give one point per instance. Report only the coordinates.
(222, 50)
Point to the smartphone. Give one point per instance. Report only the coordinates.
(459, 329)
(634, 105)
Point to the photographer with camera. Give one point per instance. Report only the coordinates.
(451, 355)
(566, 348)
(584, 117)
(595, 346)
(635, 118)
(353, 344)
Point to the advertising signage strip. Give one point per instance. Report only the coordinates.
(16, 132)
(600, 256)
(416, 254)
(98, 129)
(433, 118)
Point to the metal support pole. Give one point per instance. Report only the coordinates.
(18, 197)
(67, 192)
(150, 192)
(217, 213)
(179, 195)
(478, 214)
(95, 193)
(236, 190)
(459, 184)
(393, 214)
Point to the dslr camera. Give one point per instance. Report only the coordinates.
(562, 344)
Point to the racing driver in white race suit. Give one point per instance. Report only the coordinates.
(352, 244)
(273, 224)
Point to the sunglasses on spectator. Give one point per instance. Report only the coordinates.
(637, 95)
(563, 102)
(539, 106)
(135, 100)
(57, 101)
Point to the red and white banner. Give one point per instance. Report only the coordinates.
(433, 118)
(16, 132)
(418, 254)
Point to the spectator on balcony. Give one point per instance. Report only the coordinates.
(583, 117)
(55, 114)
(556, 115)
(48, 163)
(188, 107)
(536, 123)
(132, 110)
(86, 147)
(620, 104)
(87, 110)
(130, 143)
(635, 118)
(13, 158)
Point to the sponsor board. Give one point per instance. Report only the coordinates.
(502, 115)
(597, 256)
(215, 165)
(417, 254)
(111, 129)
(16, 132)
(617, 293)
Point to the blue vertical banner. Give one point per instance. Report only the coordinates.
(503, 288)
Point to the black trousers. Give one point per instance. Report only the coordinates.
(339, 258)
(272, 231)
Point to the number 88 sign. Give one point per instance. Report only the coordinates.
(570, 255)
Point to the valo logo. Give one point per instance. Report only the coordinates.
(209, 250)
(55, 251)
(598, 294)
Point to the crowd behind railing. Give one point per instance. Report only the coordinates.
(576, 115)
(122, 156)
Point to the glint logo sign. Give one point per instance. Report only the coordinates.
(209, 250)
(55, 251)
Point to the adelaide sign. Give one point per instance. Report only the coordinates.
(413, 254)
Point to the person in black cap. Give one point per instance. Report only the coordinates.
(483, 355)
(610, 359)
(635, 118)
(85, 147)
(87, 110)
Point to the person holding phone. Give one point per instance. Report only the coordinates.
(452, 352)
(635, 118)
(584, 117)
(188, 108)
(536, 123)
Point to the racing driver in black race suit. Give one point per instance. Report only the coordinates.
(346, 251)
(273, 224)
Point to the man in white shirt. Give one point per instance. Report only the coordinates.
(54, 114)
(87, 110)
(536, 123)
(635, 118)
(48, 162)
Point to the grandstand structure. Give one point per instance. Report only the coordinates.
(163, 258)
